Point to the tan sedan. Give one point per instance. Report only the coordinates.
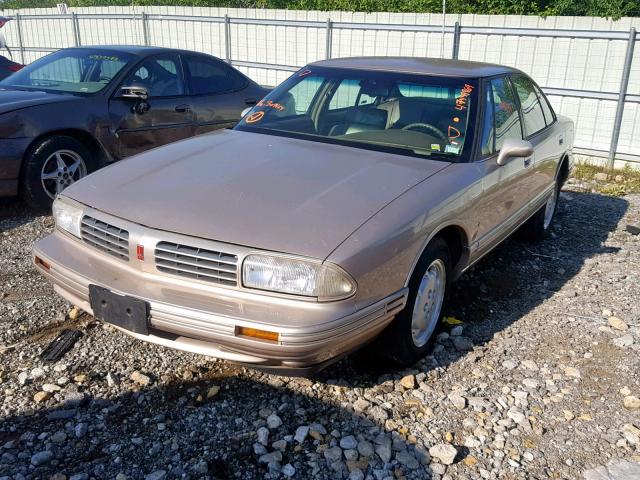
(337, 212)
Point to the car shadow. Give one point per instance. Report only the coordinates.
(507, 284)
(206, 427)
(15, 213)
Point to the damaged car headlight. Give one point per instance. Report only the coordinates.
(67, 215)
(297, 277)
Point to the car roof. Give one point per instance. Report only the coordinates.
(137, 49)
(419, 65)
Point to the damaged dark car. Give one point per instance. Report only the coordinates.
(78, 109)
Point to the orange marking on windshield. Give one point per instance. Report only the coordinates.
(453, 132)
(271, 104)
(255, 117)
(461, 101)
(304, 72)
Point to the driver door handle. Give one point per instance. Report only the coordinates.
(183, 108)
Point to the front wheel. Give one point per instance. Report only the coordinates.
(411, 334)
(51, 166)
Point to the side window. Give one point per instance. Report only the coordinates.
(549, 114)
(507, 120)
(348, 94)
(531, 108)
(159, 75)
(211, 76)
(300, 96)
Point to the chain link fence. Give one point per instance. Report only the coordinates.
(592, 76)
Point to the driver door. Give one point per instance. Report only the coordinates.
(167, 115)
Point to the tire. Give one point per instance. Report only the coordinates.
(402, 343)
(46, 159)
(537, 228)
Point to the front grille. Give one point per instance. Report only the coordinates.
(197, 263)
(108, 238)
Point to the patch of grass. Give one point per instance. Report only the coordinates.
(598, 178)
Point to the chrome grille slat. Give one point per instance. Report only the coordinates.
(197, 263)
(193, 252)
(103, 236)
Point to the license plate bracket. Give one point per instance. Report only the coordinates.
(123, 311)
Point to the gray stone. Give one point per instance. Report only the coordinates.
(348, 442)
(623, 341)
(41, 458)
(156, 475)
(457, 400)
(462, 344)
(407, 459)
(263, 436)
(333, 454)
(80, 430)
(615, 470)
(273, 421)
(356, 474)
(301, 434)
(280, 445)
(288, 470)
(271, 457)
(384, 452)
(365, 448)
(79, 476)
(444, 452)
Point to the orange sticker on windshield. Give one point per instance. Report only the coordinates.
(453, 132)
(461, 101)
(271, 104)
(255, 117)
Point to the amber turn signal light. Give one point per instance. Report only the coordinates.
(42, 264)
(259, 334)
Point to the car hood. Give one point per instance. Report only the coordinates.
(11, 99)
(262, 191)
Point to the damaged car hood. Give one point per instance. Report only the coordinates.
(13, 99)
(268, 192)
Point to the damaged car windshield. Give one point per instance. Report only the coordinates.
(418, 115)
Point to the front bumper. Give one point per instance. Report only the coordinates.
(205, 319)
(11, 154)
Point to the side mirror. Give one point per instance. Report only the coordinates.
(512, 148)
(245, 111)
(134, 92)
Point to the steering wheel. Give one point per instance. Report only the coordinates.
(428, 126)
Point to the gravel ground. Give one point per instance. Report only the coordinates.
(541, 380)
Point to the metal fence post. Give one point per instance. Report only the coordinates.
(145, 29)
(624, 84)
(76, 29)
(456, 41)
(20, 40)
(329, 39)
(227, 38)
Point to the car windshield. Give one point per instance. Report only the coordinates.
(417, 115)
(78, 70)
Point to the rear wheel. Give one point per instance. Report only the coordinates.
(537, 227)
(51, 166)
(411, 334)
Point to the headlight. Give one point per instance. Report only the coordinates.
(67, 215)
(296, 277)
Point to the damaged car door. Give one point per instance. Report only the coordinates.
(152, 106)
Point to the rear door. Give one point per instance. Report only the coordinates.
(538, 125)
(219, 93)
(505, 189)
(168, 116)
